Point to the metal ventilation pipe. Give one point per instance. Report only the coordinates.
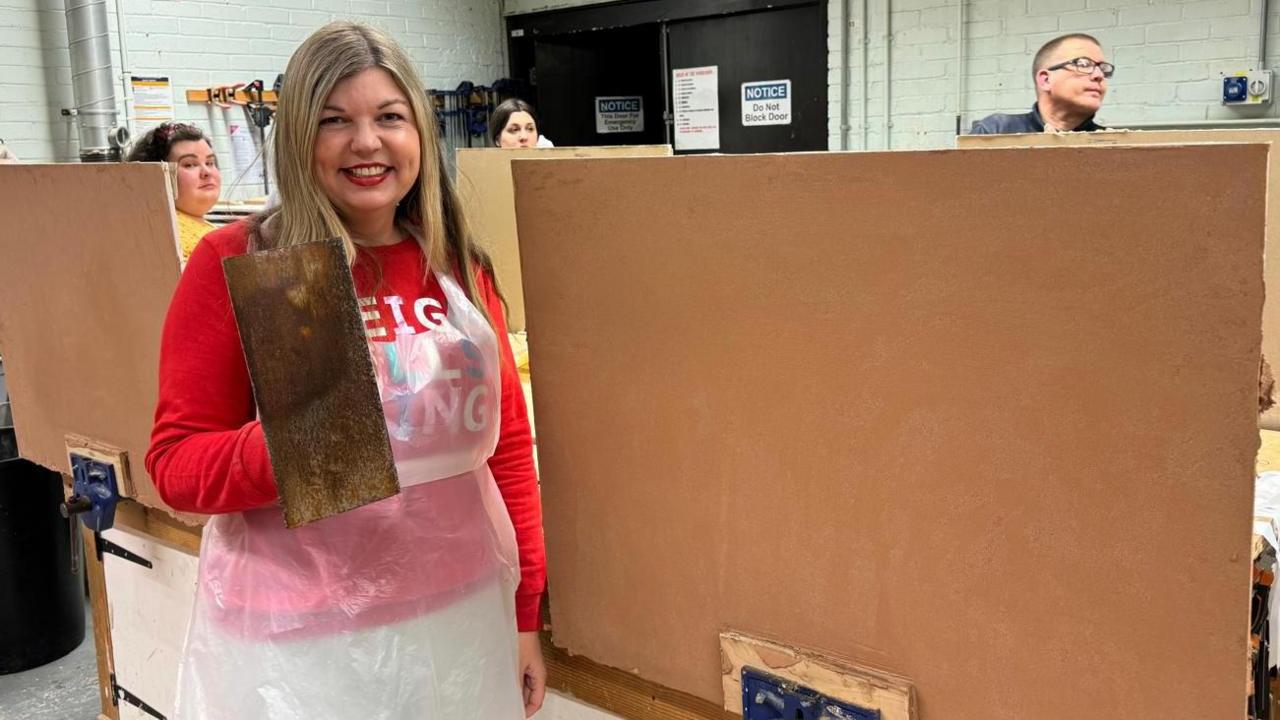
(95, 111)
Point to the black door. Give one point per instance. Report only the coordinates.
(574, 70)
(772, 45)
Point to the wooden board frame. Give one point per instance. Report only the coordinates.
(892, 696)
(115, 457)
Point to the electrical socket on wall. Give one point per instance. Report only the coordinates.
(1246, 87)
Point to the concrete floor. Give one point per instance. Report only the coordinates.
(65, 689)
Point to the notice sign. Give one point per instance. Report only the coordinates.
(245, 152)
(152, 102)
(766, 103)
(619, 114)
(696, 96)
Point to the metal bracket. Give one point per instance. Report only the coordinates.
(119, 693)
(103, 545)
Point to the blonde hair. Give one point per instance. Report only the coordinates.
(431, 211)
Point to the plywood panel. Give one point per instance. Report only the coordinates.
(873, 405)
(484, 180)
(150, 610)
(1271, 310)
(89, 262)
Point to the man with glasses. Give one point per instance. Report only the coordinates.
(1070, 74)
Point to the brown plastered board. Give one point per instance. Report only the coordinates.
(313, 379)
(484, 181)
(873, 406)
(1271, 308)
(88, 263)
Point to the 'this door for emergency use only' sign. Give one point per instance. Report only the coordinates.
(767, 102)
(620, 114)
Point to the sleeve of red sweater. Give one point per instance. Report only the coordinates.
(208, 453)
(513, 469)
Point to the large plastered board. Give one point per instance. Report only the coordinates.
(88, 263)
(484, 181)
(872, 405)
(1271, 308)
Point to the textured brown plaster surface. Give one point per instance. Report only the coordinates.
(484, 181)
(876, 405)
(1271, 308)
(88, 262)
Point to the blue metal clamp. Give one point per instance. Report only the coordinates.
(94, 492)
(767, 697)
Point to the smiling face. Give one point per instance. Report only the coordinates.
(520, 131)
(199, 180)
(1069, 89)
(367, 148)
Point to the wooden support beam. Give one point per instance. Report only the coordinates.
(622, 692)
(101, 624)
(158, 525)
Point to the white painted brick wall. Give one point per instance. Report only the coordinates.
(199, 43)
(1169, 55)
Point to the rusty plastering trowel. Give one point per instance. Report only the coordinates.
(313, 379)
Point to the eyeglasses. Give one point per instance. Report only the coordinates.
(1085, 66)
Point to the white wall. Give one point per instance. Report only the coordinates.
(199, 43)
(35, 79)
(1169, 54)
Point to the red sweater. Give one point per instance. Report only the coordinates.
(208, 454)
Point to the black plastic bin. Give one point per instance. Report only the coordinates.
(41, 600)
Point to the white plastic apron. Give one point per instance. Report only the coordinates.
(399, 610)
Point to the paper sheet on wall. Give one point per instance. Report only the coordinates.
(152, 102)
(247, 157)
(696, 95)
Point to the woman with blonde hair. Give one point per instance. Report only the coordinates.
(424, 605)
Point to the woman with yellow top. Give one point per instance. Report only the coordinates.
(198, 180)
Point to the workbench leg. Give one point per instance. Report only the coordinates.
(101, 626)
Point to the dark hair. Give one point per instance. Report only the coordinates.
(1042, 55)
(504, 111)
(155, 145)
